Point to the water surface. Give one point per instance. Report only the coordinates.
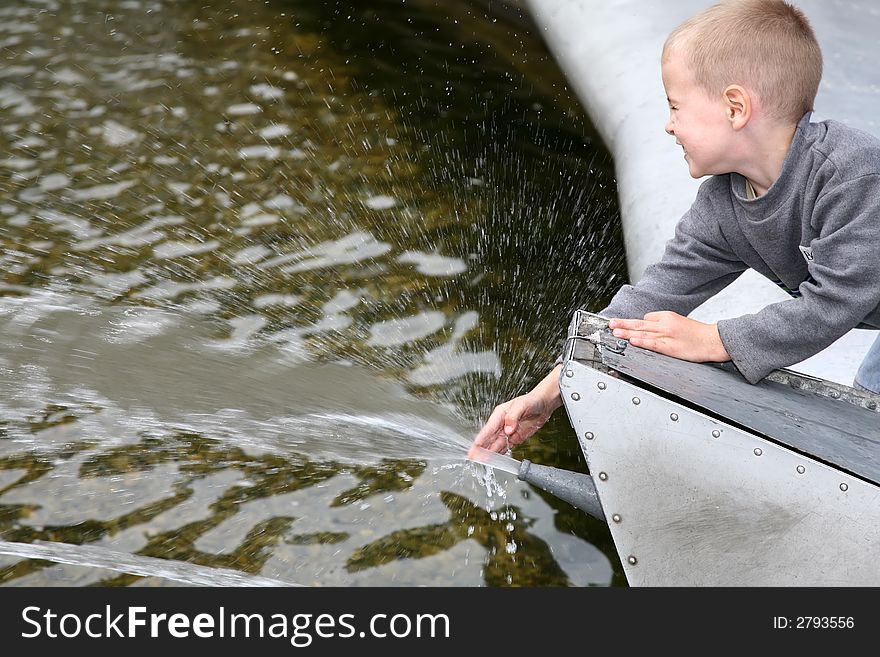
(264, 269)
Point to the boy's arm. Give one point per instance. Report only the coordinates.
(844, 290)
(696, 264)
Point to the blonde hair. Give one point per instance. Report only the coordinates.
(766, 46)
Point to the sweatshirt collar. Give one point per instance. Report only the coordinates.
(778, 192)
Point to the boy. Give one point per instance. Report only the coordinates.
(797, 201)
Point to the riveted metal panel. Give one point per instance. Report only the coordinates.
(697, 502)
(832, 429)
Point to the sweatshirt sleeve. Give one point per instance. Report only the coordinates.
(842, 289)
(697, 264)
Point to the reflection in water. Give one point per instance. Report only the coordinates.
(467, 523)
(260, 279)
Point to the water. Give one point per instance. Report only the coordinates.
(264, 268)
(147, 567)
(494, 460)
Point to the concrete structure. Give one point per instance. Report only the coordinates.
(610, 52)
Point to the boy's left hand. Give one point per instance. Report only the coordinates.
(673, 335)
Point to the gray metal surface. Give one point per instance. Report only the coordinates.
(694, 500)
(575, 488)
(833, 430)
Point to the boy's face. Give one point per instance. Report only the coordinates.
(699, 123)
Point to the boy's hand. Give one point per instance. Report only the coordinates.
(673, 335)
(515, 421)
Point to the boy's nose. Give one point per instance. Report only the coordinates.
(668, 128)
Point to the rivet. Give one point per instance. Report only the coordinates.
(632, 560)
(835, 394)
(575, 396)
(872, 405)
(758, 451)
(636, 401)
(601, 385)
(843, 487)
(616, 517)
(589, 435)
(716, 433)
(603, 476)
(801, 469)
(674, 417)
(569, 373)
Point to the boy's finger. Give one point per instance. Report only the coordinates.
(493, 426)
(495, 444)
(485, 438)
(511, 418)
(500, 445)
(657, 315)
(648, 343)
(629, 324)
(632, 335)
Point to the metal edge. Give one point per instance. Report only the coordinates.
(590, 327)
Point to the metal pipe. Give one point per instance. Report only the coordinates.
(573, 487)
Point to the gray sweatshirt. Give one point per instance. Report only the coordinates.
(816, 233)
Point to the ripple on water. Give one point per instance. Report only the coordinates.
(173, 289)
(269, 300)
(444, 365)
(53, 181)
(62, 497)
(342, 301)
(116, 134)
(139, 324)
(357, 247)
(380, 202)
(261, 151)
(274, 131)
(243, 109)
(251, 255)
(267, 91)
(102, 192)
(398, 331)
(177, 249)
(433, 264)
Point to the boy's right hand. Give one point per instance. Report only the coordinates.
(515, 421)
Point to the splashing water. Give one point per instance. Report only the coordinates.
(492, 461)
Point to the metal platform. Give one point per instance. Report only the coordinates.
(708, 480)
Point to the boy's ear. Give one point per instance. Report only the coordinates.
(737, 106)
